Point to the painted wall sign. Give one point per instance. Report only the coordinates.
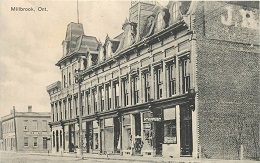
(247, 18)
(231, 22)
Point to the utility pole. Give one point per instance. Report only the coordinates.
(79, 79)
(15, 134)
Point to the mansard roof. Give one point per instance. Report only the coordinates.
(87, 43)
(83, 45)
(80, 43)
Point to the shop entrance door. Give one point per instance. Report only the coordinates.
(57, 141)
(116, 135)
(158, 137)
(138, 144)
(186, 130)
(89, 136)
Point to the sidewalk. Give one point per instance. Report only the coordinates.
(145, 159)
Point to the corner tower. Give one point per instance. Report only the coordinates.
(74, 30)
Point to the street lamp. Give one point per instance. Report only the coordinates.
(79, 79)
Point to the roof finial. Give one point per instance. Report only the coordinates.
(78, 10)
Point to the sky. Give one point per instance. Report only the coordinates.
(30, 45)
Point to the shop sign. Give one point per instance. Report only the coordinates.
(152, 119)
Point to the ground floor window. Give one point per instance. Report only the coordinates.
(169, 126)
(170, 132)
(35, 141)
(95, 141)
(26, 142)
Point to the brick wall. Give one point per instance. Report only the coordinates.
(228, 85)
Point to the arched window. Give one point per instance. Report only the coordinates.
(175, 11)
(159, 23)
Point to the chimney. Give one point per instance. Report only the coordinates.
(29, 108)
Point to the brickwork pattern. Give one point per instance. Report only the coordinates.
(228, 88)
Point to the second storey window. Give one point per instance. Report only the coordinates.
(44, 125)
(159, 83)
(108, 96)
(146, 86)
(69, 78)
(116, 93)
(35, 125)
(171, 80)
(52, 110)
(60, 110)
(65, 110)
(64, 81)
(135, 87)
(125, 91)
(76, 105)
(102, 97)
(25, 124)
(70, 108)
(185, 75)
(57, 113)
(94, 95)
(88, 102)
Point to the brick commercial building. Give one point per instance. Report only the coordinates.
(180, 80)
(26, 131)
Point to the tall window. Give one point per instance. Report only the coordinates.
(185, 79)
(146, 87)
(35, 125)
(135, 86)
(108, 96)
(102, 97)
(35, 141)
(69, 78)
(171, 80)
(57, 113)
(65, 109)
(64, 81)
(60, 110)
(44, 125)
(159, 83)
(52, 110)
(175, 11)
(25, 124)
(125, 91)
(25, 142)
(70, 109)
(116, 93)
(88, 102)
(76, 105)
(94, 95)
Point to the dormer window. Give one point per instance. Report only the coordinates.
(109, 50)
(101, 54)
(175, 11)
(160, 22)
